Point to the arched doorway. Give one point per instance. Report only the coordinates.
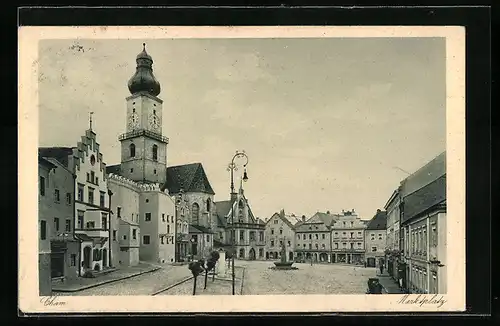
(370, 262)
(86, 257)
(290, 256)
(276, 255)
(308, 255)
(315, 257)
(323, 257)
(242, 253)
(267, 255)
(251, 254)
(104, 258)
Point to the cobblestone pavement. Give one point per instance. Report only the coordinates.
(81, 283)
(145, 284)
(307, 279)
(218, 287)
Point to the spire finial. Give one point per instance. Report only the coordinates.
(144, 46)
(90, 119)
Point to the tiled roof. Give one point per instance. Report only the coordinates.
(45, 162)
(189, 178)
(425, 175)
(59, 153)
(115, 169)
(221, 221)
(325, 219)
(293, 219)
(281, 216)
(199, 229)
(223, 207)
(378, 222)
(425, 198)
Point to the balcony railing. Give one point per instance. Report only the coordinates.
(143, 132)
(93, 232)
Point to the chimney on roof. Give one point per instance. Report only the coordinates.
(353, 210)
(343, 211)
(282, 212)
(378, 210)
(303, 218)
(328, 212)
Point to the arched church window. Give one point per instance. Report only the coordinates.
(132, 150)
(155, 152)
(195, 214)
(209, 203)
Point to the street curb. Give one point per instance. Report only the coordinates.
(106, 282)
(173, 285)
(242, 280)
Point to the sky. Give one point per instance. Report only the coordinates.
(327, 123)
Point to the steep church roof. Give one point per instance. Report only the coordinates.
(189, 178)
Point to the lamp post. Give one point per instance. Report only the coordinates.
(232, 167)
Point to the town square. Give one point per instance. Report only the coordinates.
(232, 171)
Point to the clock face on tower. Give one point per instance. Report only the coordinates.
(133, 121)
(154, 121)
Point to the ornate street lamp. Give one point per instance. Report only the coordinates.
(232, 167)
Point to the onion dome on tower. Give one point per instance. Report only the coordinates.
(143, 80)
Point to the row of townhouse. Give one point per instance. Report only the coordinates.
(416, 230)
(326, 237)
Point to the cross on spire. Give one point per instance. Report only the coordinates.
(90, 119)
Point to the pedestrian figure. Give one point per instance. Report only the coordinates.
(381, 268)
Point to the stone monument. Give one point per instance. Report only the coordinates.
(283, 263)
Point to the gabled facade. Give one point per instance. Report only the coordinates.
(247, 232)
(375, 240)
(348, 240)
(280, 231)
(91, 209)
(313, 238)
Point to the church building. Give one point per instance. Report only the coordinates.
(145, 212)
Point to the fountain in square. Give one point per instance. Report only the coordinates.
(283, 264)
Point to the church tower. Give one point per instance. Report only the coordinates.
(144, 148)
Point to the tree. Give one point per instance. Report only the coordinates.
(196, 268)
(210, 265)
